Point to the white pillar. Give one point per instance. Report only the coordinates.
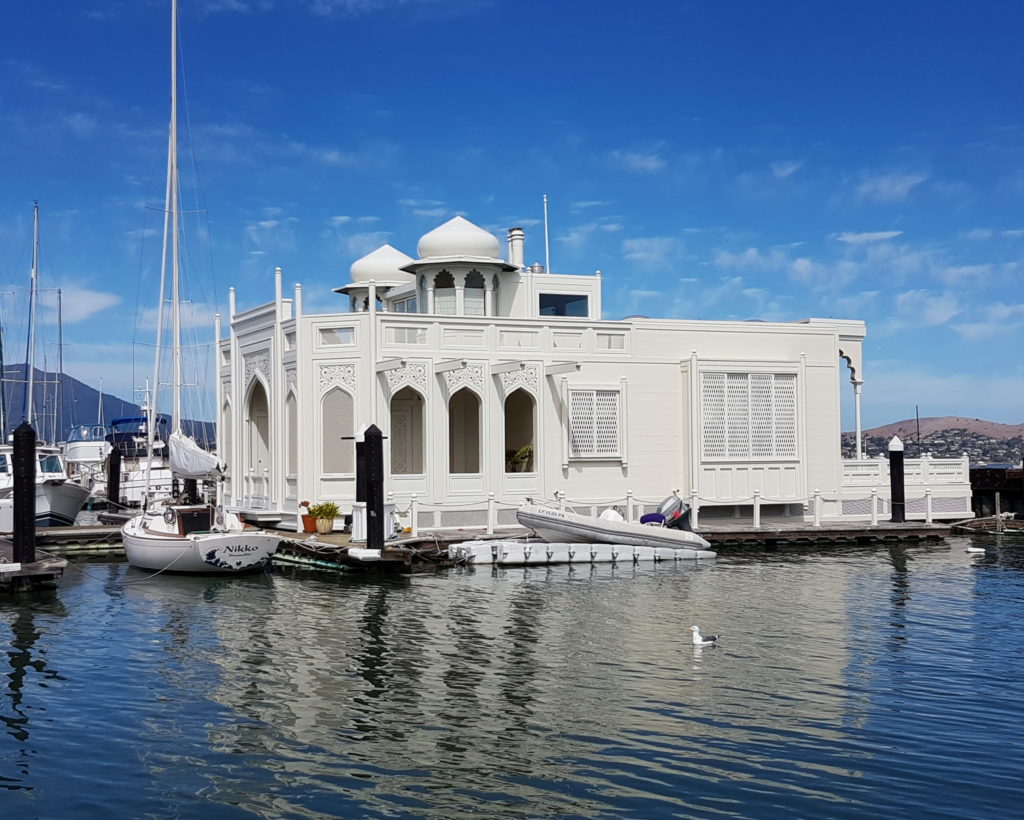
(694, 509)
(491, 513)
(757, 509)
(856, 415)
(298, 302)
(414, 508)
(430, 297)
(488, 298)
(460, 294)
(928, 506)
(817, 507)
(874, 506)
(629, 505)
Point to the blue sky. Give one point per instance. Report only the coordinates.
(716, 160)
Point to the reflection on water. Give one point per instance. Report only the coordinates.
(846, 683)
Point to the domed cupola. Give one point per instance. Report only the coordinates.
(458, 240)
(383, 266)
(459, 237)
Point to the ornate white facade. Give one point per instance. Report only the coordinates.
(494, 381)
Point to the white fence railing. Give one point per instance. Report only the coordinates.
(924, 471)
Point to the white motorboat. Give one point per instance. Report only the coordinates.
(58, 499)
(558, 524)
(183, 535)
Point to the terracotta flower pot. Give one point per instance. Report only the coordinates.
(324, 525)
(308, 523)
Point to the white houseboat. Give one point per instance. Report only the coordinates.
(494, 381)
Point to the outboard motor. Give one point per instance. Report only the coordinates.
(676, 513)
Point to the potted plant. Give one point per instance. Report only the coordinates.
(520, 460)
(325, 512)
(308, 521)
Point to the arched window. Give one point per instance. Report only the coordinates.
(444, 294)
(291, 419)
(407, 432)
(464, 432)
(258, 449)
(473, 296)
(519, 424)
(337, 412)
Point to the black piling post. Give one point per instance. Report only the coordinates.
(373, 452)
(24, 494)
(114, 479)
(360, 467)
(896, 488)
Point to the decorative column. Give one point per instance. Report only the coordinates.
(460, 293)
(856, 414)
(430, 295)
(488, 297)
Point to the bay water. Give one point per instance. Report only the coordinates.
(881, 682)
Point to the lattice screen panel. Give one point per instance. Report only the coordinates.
(748, 415)
(463, 518)
(336, 423)
(610, 341)
(761, 416)
(407, 335)
(785, 415)
(594, 422)
(606, 422)
(737, 414)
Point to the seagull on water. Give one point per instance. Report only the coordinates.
(702, 640)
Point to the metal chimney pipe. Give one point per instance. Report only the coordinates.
(516, 239)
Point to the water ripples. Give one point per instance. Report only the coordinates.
(849, 683)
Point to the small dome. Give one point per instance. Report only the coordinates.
(381, 265)
(459, 237)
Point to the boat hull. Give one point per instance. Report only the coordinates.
(58, 504)
(566, 527)
(201, 553)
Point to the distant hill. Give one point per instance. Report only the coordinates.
(984, 442)
(936, 424)
(78, 404)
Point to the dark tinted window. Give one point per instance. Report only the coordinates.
(563, 304)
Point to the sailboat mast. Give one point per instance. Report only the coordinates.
(175, 261)
(30, 353)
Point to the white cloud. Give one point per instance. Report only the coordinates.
(590, 203)
(644, 162)
(337, 221)
(866, 236)
(889, 187)
(651, 250)
(81, 125)
(782, 170)
(360, 244)
(420, 203)
(77, 303)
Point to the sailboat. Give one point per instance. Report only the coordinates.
(58, 499)
(184, 534)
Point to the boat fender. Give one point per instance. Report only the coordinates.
(218, 517)
(653, 519)
(168, 515)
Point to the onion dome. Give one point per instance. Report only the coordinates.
(382, 265)
(459, 237)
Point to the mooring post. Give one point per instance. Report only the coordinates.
(373, 453)
(757, 509)
(896, 489)
(114, 478)
(361, 465)
(24, 494)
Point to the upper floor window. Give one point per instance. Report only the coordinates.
(332, 336)
(564, 304)
(404, 305)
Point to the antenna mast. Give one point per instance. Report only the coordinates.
(547, 246)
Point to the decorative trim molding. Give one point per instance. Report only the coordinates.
(526, 377)
(337, 375)
(258, 362)
(290, 381)
(412, 374)
(472, 376)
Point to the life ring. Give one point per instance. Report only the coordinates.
(168, 515)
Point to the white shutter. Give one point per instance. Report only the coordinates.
(713, 414)
(594, 423)
(737, 402)
(761, 416)
(335, 424)
(785, 415)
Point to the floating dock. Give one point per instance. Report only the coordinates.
(15, 576)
